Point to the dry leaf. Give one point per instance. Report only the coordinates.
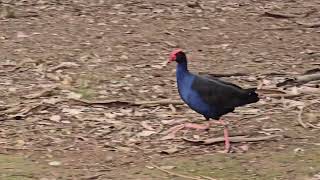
(167, 137)
(149, 167)
(70, 111)
(73, 95)
(170, 150)
(63, 65)
(55, 163)
(167, 167)
(297, 150)
(110, 115)
(145, 125)
(244, 147)
(20, 143)
(205, 28)
(51, 100)
(124, 149)
(52, 76)
(124, 57)
(288, 103)
(173, 121)
(21, 35)
(170, 44)
(66, 122)
(138, 114)
(145, 133)
(45, 92)
(127, 112)
(55, 118)
(272, 129)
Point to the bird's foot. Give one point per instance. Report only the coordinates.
(227, 149)
(197, 126)
(171, 133)
(221, 123)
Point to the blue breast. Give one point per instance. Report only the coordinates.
(190, 96)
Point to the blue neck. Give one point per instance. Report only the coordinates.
(182, 70)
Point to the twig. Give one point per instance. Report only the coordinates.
(25, 111)
(284, 95)
(299, 80)
(300, 121)
(173, 109)
(233, 139)
(17, 148)
(312, 71)
(45, 92)
(70, 146)
(207, 177)
(175, 174)
(96, 176)
(300, 118)
(132, 103)
(270, 90)
(278, 29)
(281, 15)
(309, 25)
(277, 93)
(313, 126)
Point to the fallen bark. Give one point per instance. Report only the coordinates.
(233, 139)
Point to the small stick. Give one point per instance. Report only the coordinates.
(42, 93)
(300, 118)
(173, 109)
(132, 103)
(175, 174)
(309, 25)
(284, 95)
(207, 177)
(233, 139)
(281, 15)
(96, 176)
(299, 80)
(313, 126)
(17, 148)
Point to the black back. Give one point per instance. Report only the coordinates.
(223, 96)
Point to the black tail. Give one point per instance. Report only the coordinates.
(250, 96)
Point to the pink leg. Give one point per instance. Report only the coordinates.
(226, 136)
(172, 131)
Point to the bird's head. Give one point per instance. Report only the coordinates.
(177, 55)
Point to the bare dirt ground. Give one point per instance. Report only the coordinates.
(53, 52)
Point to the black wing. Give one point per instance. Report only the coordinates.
(221, 94)
(222, 81)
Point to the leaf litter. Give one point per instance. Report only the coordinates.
(131, 117)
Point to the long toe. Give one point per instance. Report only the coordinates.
(197, 126)
(171, 133)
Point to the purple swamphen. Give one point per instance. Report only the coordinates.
(208, 96)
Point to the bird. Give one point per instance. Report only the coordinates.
(209, 96)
